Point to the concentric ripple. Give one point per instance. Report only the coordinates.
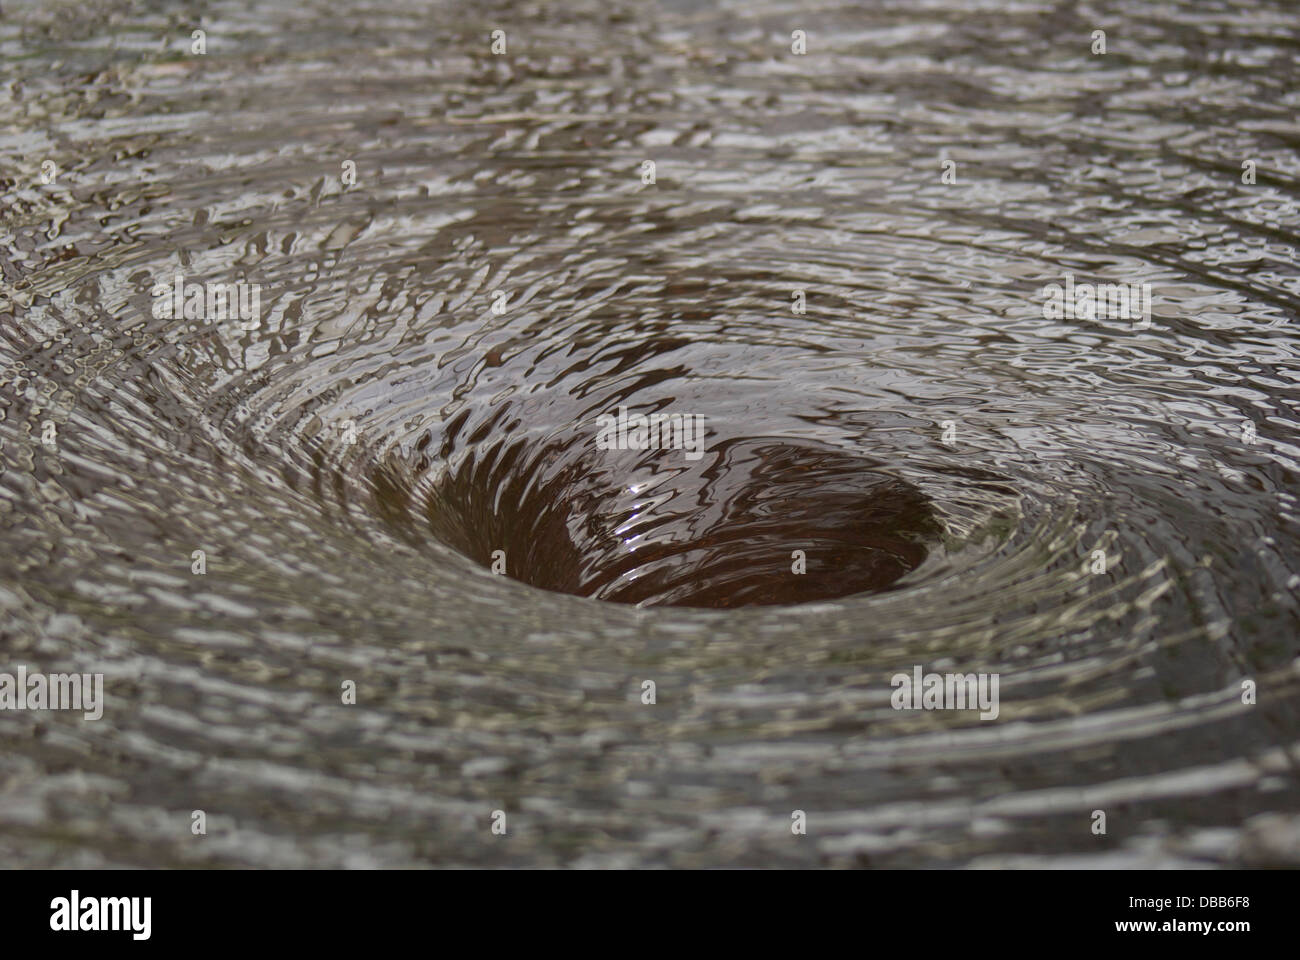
(906, 462)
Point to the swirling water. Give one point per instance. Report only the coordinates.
(1100, 512)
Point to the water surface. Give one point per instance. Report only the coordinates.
(1103, 513)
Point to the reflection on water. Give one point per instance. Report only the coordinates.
(462, 264)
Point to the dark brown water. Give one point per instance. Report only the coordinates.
(655, 530)
(1101, 512)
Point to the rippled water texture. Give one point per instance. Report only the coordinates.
(396, 481)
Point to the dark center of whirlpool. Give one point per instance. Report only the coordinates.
(754, 521)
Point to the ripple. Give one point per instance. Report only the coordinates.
(1101, 513)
